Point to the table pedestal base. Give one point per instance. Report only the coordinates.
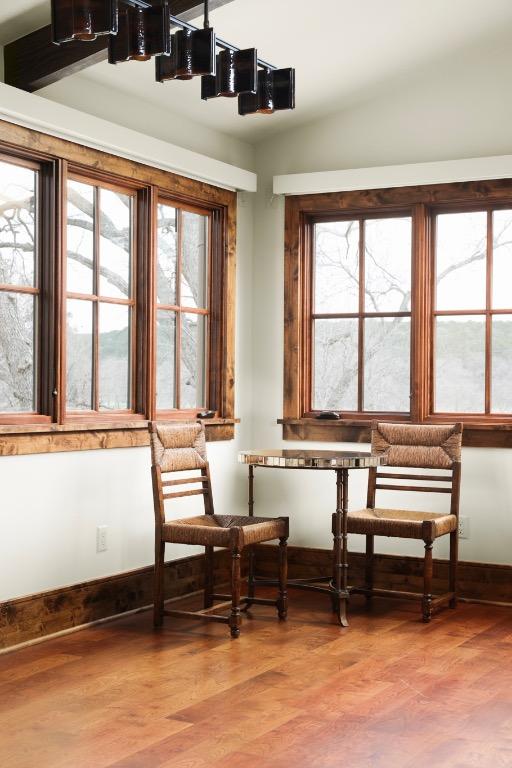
(337, 582)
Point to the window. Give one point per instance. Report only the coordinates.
(116, 298)
(361, 315)
(19, 287)
(100, 304)
(182, 308)
(473, 326)
(398, 304)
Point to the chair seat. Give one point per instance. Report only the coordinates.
(216, 530)
(402, 523)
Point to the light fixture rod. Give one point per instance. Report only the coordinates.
(175, 21)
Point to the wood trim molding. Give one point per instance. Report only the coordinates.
(421, 203)
(54, 438)
(37, 434)
(317, 430)
(34, 617)
(488, 582)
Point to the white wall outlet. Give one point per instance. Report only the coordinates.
(101, 538)
(463, 527)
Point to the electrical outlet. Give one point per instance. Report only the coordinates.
(463, 527)
(101, 538)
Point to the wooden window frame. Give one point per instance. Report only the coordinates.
(54, 429)
(422, 203)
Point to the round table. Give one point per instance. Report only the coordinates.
(340, 462)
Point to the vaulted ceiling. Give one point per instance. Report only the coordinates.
(342, 50)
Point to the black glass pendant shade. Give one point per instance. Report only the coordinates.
(192, 54)
(142, 33)
(237, 72)
(83, 19)
(276, 91)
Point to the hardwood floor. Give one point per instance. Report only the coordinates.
(389, 692)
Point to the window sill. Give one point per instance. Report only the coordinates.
(26, 439)
(488, 435)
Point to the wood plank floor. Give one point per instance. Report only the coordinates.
(389, 692)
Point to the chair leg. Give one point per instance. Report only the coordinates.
(454, 556)
(368, 574)
(235, 618)
(208, 577)
(427, 582)
(251, 587)
(158, 596)
(282, 603)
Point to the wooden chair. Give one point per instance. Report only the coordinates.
(421, 447)
(181, 447)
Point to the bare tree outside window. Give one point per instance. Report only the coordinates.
(182, 308)
(18, 288)
(362, 305)
(361, 315)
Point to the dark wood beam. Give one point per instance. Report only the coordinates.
(33, 61)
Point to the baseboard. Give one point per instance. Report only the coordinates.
(37, 616)
(34, 617)
(487, 582)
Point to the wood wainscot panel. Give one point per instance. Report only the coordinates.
(36, 616)
(488, 582)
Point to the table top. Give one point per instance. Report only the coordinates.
(290, 459)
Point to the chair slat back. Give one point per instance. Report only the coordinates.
(410, 446)
(179, 447)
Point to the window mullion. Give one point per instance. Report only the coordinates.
(96, 304)
(488, 319)
(362, 265)
(177, 368)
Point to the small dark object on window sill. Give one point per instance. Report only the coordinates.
(206, 415)
(329, 416)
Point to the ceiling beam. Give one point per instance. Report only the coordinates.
(34, 61)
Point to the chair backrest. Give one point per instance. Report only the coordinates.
(179, 447)
(424, 446)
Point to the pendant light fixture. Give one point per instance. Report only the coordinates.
(237, 72)
(276, 92)
(143, 32)
(141, 29)
(192, 53)
(83, 19)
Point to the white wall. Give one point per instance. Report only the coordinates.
(456, 109)
(94, 99)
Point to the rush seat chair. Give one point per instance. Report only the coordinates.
(180, 447)
(424, 447)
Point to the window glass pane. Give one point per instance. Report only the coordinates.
(79, 355)
(165, 360)
(335, 365)
(387, 371)
(337, 267)
(80, 238)
(502, 364)
(502, 260)
(114, 357)
(17, 377)
(193, 361)
(461, 250)
(17, 225)
(194, 264)
(460, 365)
(166, 259)
(387, 268)
(115, 244)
